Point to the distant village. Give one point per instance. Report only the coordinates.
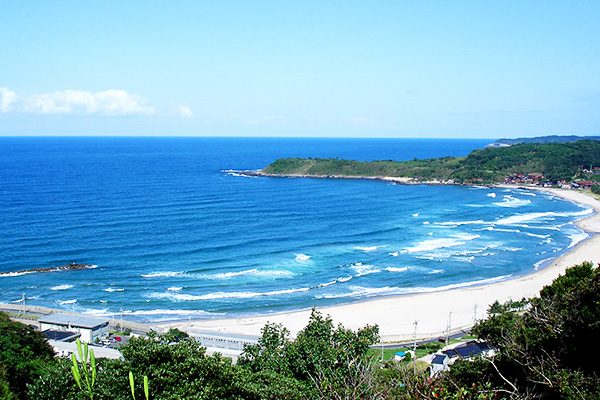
(540, 180)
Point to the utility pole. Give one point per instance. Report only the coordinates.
(474, 314)
(415, 348)
(449, 327)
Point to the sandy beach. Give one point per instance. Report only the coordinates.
(433, 311)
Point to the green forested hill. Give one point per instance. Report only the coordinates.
(555, 161)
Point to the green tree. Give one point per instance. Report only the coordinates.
(550, 349)
(179, 370)
(5, 392)
(332, 359)
(174, 335)
(24, 353)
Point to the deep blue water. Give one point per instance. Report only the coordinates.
(173, 236)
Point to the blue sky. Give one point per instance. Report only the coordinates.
(324, 68)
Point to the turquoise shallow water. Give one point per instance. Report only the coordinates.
(173, 236)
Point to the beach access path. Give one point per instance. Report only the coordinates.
(436, 311)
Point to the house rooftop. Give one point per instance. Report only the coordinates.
(439, 359)
(73, 320)
(467, 350)
(60, 335)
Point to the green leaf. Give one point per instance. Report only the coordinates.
(132, 384)
(79, 350)
(93, 363)
(75, 371)
(146, 391)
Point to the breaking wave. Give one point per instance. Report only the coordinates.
(512, 202)
(254, 272)
(364, 269)
(65, 302)
(10, 274)
(223, 295)
(519, 218)
(366, 249)
(302, 257)
(61, 287)
(434, 244)
(396, 269)
(577, 237)
(362, 291)
(165, 274)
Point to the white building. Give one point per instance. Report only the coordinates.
(461, 351)
(88, 329)
(439, 363)
(65, 349)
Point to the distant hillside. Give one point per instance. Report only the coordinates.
(542, 139)
(556, 161)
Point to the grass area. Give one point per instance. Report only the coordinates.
(119, 333)
(19, 315)
(422, 350)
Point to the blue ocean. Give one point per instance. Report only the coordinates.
(174, 236)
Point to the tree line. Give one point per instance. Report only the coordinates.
(555, 161)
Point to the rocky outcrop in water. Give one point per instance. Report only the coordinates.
(65, 267)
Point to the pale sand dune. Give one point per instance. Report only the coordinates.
(396, 315)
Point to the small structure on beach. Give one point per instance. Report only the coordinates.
(88, 329)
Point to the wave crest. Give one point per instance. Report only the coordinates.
(61, 287)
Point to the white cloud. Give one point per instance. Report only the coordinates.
(7, 97)
(185, 111)
(108, 102)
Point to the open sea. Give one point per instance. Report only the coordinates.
(175, 237)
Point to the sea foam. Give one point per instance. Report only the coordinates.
(61, 287)
(302, 257)
(512, 202)
(10, 274)
(577, 237)
(364, 269)
(165, 274)
(434, 244)
(366, 249)
(223, 295)
(396, 269)
(254, 272)
(519, 218)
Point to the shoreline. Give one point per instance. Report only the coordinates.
(394, 179)
(434, 311)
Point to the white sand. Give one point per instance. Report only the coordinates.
(396, 315)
